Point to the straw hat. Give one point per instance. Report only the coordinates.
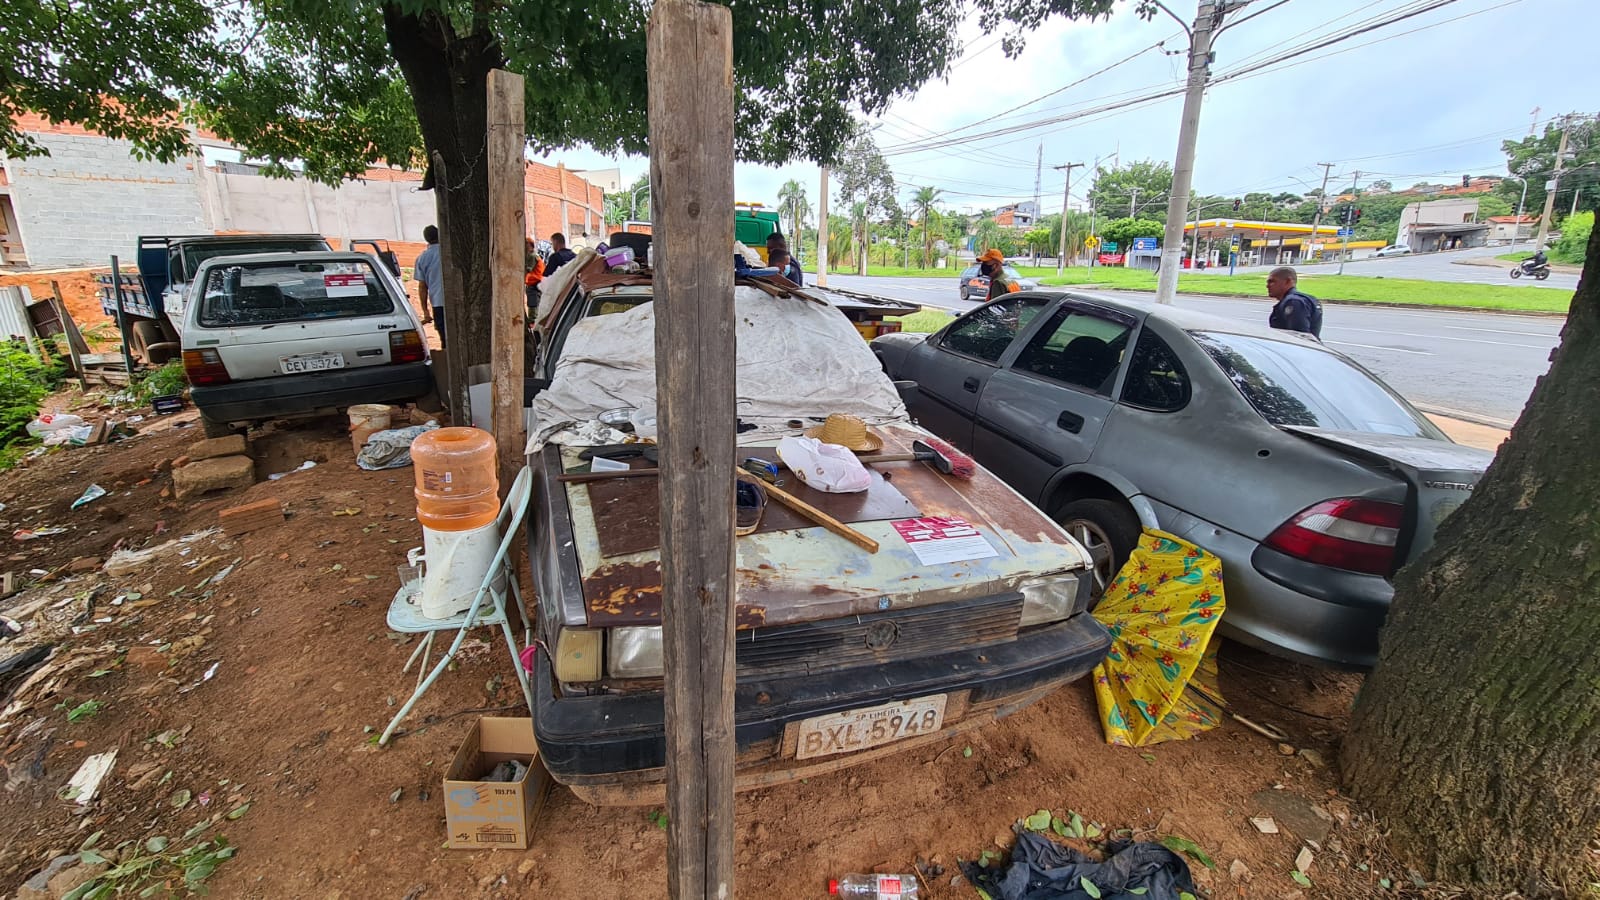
(847, 431)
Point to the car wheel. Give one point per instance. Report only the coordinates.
(216, 429)
(1108, 530)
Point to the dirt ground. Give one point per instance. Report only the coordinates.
(291, 617)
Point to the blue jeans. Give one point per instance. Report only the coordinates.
(438, 323)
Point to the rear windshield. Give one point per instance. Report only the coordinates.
(1290, 384)
(195, 254)
(268, 293)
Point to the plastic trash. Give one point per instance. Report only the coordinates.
(824, 467)
(308, 464)
(875, 887)
(33, 534)
(46, 424)
(70, 434)
(93, 493)
(391, 449)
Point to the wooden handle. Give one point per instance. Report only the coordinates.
(822, 518)
(581, 477)
(888, 457)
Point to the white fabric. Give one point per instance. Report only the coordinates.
(825, 467)
(796, 360)
(555, 285)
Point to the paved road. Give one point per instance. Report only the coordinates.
(1482, 365)
(1434, 267)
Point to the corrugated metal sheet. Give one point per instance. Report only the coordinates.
(14, 313)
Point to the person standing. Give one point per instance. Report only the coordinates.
(779, 258)
(1294, 310)
(992, 265)
(559, 256)
(429, 273)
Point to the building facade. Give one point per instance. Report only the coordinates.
(90, 198)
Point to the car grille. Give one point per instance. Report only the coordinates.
(836, 644)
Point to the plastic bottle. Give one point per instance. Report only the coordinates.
(457, 488)
(875, 887)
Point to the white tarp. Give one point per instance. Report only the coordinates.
(796, 360)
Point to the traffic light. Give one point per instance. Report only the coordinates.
(1236, 203)
(1356, 217)
(1466, 181)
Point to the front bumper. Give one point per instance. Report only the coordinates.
(618, 739)
(290, 395)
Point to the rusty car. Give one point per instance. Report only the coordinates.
(843, 656)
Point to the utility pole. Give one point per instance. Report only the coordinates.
(1038, 186)
(1133, 200)
(1516, 227)
(1194, 252)
(1550, 189)
(1066, 199)
(822, 233)
(1322, 200)
(1206, 21)
(1349, 225)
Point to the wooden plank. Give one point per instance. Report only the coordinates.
(689, 59)
(74, 338)
(507, 234)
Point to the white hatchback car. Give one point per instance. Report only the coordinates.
(279, 335)
(1394, 250)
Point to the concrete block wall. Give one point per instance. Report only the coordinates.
(90, 198)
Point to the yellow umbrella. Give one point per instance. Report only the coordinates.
(1161, 611)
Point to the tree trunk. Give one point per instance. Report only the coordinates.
(448, 76)
(1477, 737)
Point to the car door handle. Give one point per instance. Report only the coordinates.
(1069, 421)
(970, 385)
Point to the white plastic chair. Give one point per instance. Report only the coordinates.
(405, 611)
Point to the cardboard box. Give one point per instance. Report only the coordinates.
(494, 814)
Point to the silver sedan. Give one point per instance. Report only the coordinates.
(1311, 479)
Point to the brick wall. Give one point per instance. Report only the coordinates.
(91, 198)
(560, 200)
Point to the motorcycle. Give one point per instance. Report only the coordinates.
(1540, 271)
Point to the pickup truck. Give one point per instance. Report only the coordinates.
(152, 299)
(843, 655)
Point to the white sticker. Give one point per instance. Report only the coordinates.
(942, 539)
(345, 285)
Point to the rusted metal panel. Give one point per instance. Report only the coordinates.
(810, 574)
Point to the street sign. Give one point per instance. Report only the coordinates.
(1108, 246)
(1144, 243)
(1234, 244)
(1089, 242)
(1346, 232)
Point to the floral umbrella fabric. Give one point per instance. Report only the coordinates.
(1161, 611)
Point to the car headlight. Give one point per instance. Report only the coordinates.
(1054, 597)
(635, 652)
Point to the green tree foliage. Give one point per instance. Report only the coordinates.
(1534, 158)
(992, 235)
(1123, 231)
(1574, 241)
(924, 207)
(24, 381)
(1038, 242)
(794, 209)
(1113, 190)
(866, 188)
(1493, 205)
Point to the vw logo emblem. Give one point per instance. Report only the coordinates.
(882, 635)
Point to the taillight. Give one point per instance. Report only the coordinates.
(1347, 533)
(204, 367)
(406, 347)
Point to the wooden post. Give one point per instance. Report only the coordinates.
(69, 330)
(122, 316)
(689, 59)
(507, 243)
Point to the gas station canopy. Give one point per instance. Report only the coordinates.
(1246, 229)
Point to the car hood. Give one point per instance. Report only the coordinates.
(1440, 475)
(810, 574)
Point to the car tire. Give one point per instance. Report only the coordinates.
(1108, 529)
(215, 429)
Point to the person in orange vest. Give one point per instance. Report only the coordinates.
(534, 273)
(992, 265)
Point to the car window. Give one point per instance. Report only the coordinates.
(1076, 348)
(969, 272)
(986, 332)
(1156, 379)
(1292, 384)
(195, 254)
(1013, 274)
(268, 293)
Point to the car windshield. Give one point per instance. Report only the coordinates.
(970, 272)
(270, 292)
(1293, 384)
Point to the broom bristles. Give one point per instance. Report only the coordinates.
(962, 466)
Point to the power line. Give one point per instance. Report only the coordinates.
(1347, 34)
(1244, 19)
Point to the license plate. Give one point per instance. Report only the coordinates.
(320, 362)
(874, 726)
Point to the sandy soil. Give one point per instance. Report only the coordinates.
(306, 667)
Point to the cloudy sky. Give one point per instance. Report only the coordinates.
(1426, 99)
